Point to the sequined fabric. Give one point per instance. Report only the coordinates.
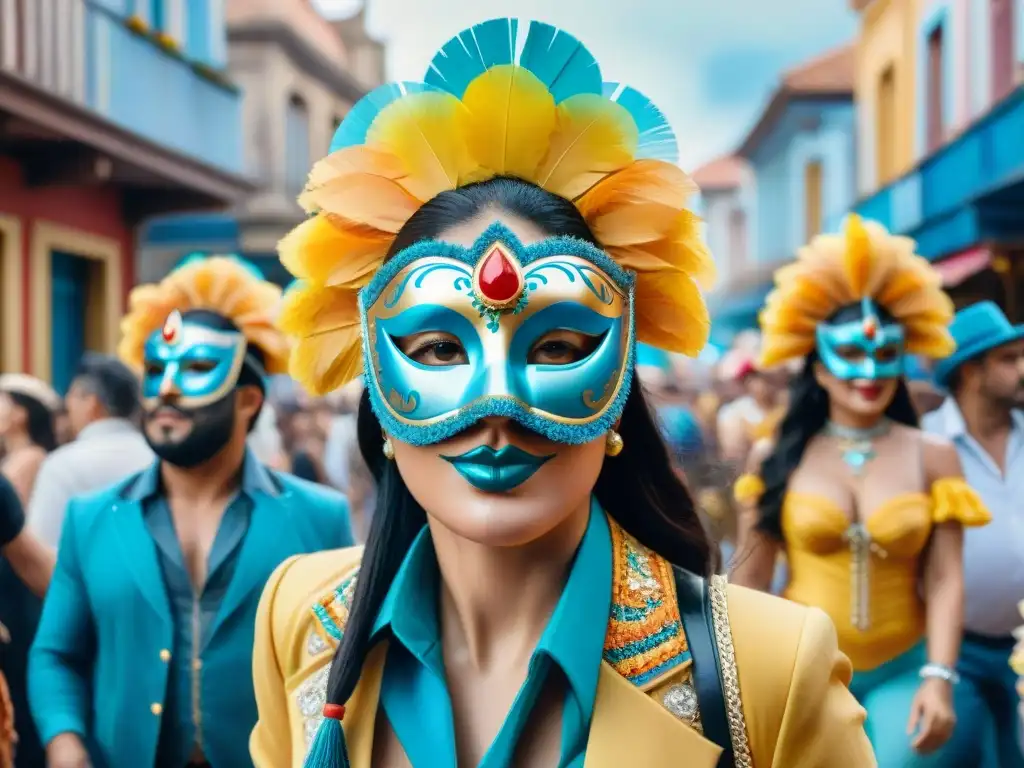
(645, 637)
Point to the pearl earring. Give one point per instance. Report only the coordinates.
(388, 449)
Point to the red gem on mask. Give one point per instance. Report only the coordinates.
(498, 279)
(870, 328)
(172, 327)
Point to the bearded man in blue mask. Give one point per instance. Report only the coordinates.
(144, 650)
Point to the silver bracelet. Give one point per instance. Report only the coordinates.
(941, 671)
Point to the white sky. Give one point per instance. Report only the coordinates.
(709, 64)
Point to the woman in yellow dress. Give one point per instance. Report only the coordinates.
(868, 508)
(488, 247)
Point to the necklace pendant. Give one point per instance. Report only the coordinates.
(857, 457)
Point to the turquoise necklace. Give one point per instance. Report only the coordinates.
(857, 443)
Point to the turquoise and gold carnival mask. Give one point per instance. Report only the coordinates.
(506, 98)
(200, 364)
(498, 298)
(862, 349)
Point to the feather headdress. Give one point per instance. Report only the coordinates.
(835, 270)
(486, 109)
(218, 284)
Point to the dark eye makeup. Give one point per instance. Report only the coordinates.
(561, 347)
(199, 365)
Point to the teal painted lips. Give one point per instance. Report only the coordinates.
(497, 471)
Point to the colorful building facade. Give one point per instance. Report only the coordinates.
(111, 111)
(801, 180)
(941, 124)
(300, 74)
(725, 184)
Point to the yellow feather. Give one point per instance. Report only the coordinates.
(858, 257)
(671, 313)
(373, 201)
(652, 181)
(593, 137)
(358, 159)
(510, 115)
(328, 251)
(325, 323)
(681, 248)
(422, 130)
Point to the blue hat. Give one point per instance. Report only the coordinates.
(976, 329)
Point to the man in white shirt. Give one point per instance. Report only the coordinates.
(985, 377)
(101, 402)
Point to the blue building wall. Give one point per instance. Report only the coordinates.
(807, 132)
(959, 196)
(134, 82)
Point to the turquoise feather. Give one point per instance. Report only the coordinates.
(558, 59)
(198, 256)
(657, 139)
(353, 129)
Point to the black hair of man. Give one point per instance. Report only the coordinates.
(113, 383)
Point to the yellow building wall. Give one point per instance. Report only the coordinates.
(888, 38)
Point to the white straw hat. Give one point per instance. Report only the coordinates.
(30, 386)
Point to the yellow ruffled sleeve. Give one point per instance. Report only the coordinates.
(748, 489)
(954, 500)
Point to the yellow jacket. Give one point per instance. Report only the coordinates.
(793, 709)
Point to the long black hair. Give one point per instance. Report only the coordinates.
(806, 417)
(639, 487)
(39, 421)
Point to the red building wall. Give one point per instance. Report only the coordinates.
(96, 210)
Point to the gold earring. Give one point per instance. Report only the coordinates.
(613, 443)
(388, 449)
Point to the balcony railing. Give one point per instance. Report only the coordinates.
(81, 51)
(43, 41)
(158, 94)
(931, 202)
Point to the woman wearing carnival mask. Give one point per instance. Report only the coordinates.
(488, 247)
(868, 508)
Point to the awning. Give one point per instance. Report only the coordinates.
(960, 266)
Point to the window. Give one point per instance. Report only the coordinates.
(812, 199)
(885, 128)
(156, 15)
(737, 256)
(1003, 63)
(296, 146)
(936, 87)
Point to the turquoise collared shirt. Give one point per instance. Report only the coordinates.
(193, 613)
(414, 692)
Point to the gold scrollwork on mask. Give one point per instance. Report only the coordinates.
(402, 404)
(599, 402)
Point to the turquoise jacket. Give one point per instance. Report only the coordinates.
(99, 666)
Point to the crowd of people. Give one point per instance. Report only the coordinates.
(488, 374)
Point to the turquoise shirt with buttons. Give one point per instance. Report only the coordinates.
(193, 614)
(414, 692)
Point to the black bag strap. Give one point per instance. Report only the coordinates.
(698, 623)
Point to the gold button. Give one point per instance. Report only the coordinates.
(165, 655)
(156, 709)
(197, 664)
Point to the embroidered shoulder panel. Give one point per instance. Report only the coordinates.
(645, 638)
(331, 610)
